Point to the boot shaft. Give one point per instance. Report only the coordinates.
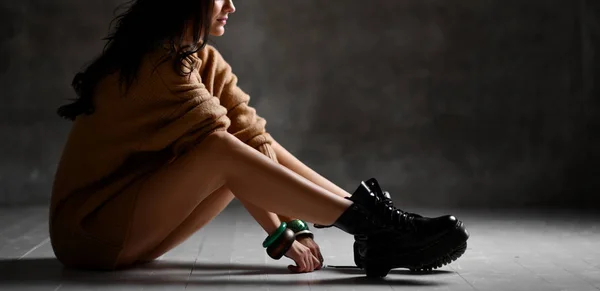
(373, 212)
(369, 214)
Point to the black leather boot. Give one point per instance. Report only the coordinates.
(388, 238)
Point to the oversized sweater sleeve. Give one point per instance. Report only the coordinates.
(246, 124)
(183, 113)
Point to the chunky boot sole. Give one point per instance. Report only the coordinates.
(382, 259)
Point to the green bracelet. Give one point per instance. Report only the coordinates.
(273, 237)
(303, 234)
(297, 225)
(281, 245)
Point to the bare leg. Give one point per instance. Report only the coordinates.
(221, 161)
(208, 209)
(268, 220)
(254, 178)
(205, 212)
(289, 161)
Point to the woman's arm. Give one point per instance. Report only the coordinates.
(245, 124)
(249, 127)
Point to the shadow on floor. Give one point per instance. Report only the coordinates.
(48, 271)
(352, 270)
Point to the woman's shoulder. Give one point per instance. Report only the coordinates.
(160, 61)
(209, 56)
(204, 69)
(159, 64)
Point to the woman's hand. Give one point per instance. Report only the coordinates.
(314, 248)
(303, 257)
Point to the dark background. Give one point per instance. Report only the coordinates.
(474, 103)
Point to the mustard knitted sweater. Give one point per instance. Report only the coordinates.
(161, 116)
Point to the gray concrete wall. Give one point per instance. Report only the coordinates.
(468, 103)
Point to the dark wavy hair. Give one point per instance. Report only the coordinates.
(144, 26)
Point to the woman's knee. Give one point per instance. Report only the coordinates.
(220, 141)
(223, 146)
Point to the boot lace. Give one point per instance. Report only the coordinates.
(402, 220)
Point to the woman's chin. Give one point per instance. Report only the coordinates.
(217, 31)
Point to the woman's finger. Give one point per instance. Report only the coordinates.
(317, 253)
(300, 263)
(321, 259)
(311, 267)
(311, 259)
(308, 264)
(316, 263)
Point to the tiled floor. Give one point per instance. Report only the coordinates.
(507, 251)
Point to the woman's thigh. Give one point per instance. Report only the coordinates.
(176, 201)
(137, 250)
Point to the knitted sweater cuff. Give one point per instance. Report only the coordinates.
(268, 151)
